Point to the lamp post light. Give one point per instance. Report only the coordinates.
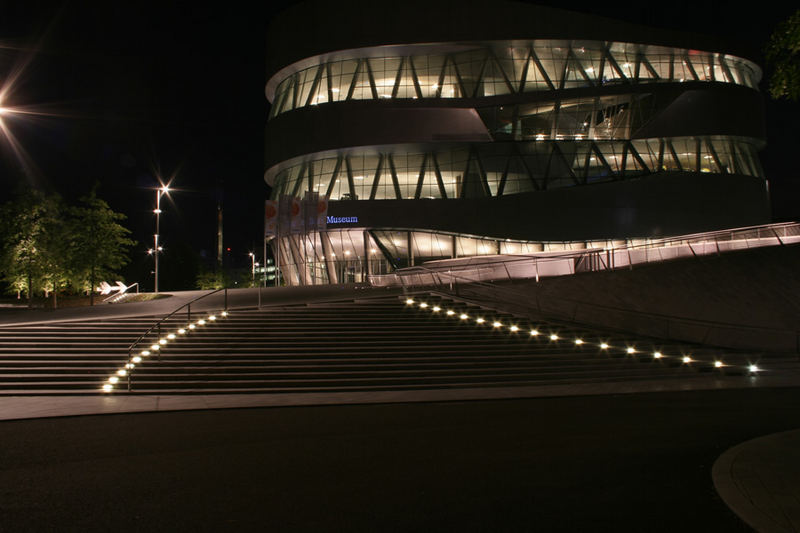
(156, 250)
(252, 267)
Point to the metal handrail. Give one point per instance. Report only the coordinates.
(578, 255)
(157, 326)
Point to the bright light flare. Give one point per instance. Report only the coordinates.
(463, 316)
(423, 305)
(137, 359)
(604, 346)
(718, 364)
(450, 312)
(480, 320)
(657, 355)
(410, 301)
(630, 350)
(534, 332)
(436, 308)
(553, 337)
(514, 329)
(171, 336)
(686, 359)
(578, 341)
(753, 368)
(497, 324)
(107, 387)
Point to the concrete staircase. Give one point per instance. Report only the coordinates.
(377, 344)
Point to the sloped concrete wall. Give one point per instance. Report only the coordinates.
(748, 299)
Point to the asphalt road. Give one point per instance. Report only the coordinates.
(609, 463)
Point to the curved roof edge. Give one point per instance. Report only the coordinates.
(317, 27)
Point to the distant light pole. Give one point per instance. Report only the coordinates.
(253, 267)
(156, 248)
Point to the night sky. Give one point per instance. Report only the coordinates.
(134, 90)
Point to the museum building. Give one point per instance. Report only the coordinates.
(452, 129)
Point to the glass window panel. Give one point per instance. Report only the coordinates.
(384, 70)
(428, 70)
(686, 151)
(552, 60)
(517, 179)
(660, 63)
(362, 90)
(470, 67)
(596, 170)
(406, 88)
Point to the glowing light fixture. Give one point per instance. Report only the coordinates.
(410, 301)
(181, 331)
(534, 332)
(192, 326)
(658, 355)
(201, 322)
(130, 366)
(603, 346)
(718, 364)
(553, 337)
(171, 336)
(753, 368)
(423, 305)
(224, 313)
(212, 318)
(463, 316)
(480, 320)
(137, 359)
(145, 352)
(631, 349)
(107, 387)
(497, 324)
(113, 379)
(514, 329)
(162, 341)
(578, 341)
(686, 359)
(436, 308)
(155, 347)
(450, 312)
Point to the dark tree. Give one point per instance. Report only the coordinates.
(783, 59)
(100, 242)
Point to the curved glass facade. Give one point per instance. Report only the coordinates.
(351, 255)
(502, 168)
(497, 68)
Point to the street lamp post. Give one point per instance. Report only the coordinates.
(156, 248)
(253, 267)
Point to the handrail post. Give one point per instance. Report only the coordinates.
(158, 340)
(226, 298)
(189, 312)
(130, 370)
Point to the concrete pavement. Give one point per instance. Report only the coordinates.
(760, 481)
(237, 298)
